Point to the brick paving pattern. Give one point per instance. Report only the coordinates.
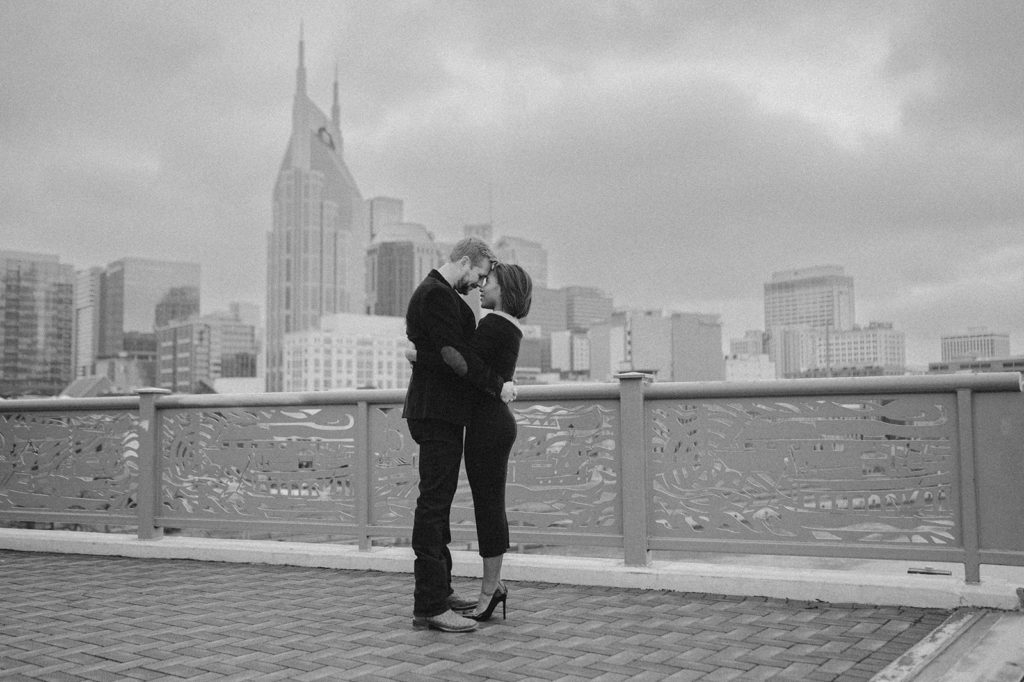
(73, 617)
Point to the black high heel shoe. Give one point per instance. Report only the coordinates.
(500, 595)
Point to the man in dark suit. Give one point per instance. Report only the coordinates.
(437, 409)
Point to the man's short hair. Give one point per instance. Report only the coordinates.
(516, 289)
(474, 247)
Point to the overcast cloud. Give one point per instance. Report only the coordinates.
(674, 154)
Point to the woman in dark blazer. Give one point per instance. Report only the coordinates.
(491, 430)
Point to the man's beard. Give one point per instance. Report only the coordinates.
(463, 288)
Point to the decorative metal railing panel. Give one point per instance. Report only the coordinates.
(61, 461)
(563, 470)
(280, 464)
(394, 473)
(844, 469)
(563, 473)
(863, 467)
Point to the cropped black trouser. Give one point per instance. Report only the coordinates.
(489, 439)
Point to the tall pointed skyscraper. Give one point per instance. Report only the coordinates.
(317, 248)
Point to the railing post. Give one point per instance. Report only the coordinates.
(633, 454)
(968, 485)
(362, 485)
(150, 470)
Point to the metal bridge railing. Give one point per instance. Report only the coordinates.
(917, 468)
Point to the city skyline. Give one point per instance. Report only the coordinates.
(672, 155)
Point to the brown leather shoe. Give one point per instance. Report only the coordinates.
(449, 621)
(456, 602)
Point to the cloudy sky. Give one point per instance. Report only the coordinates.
(674, 154)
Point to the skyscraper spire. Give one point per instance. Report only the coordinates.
(300, 76)
(335, 109)
(315, 194)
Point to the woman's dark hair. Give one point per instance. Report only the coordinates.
(516, 289)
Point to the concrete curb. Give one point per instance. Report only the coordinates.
(909, 665)
(862, 583)
(970, 646)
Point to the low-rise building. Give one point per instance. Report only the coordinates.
(749, 367)
(1013, 363)
(977, 343)
(193, 353)
(348, 351)
(672, 346)
(877, 349)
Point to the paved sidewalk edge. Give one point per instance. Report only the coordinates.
(912, 662)
(970, 646)
(827, 585)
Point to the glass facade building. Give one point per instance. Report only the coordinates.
(131, 289)
(179, 303)
(36, 324)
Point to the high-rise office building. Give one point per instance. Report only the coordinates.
(814, 297)
(585, 307)
(317, 248)
(530, 255)
(248, 313)
(36, 324)
(131, 291)
(977, 343)
(548, 310)
(383, 211)
(398, 259)
(796, 301)
(794, 350)
(87, 320)
(179, 303)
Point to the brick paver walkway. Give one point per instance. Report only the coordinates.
(71, 617)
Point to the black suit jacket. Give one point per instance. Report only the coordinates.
(438, 318)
